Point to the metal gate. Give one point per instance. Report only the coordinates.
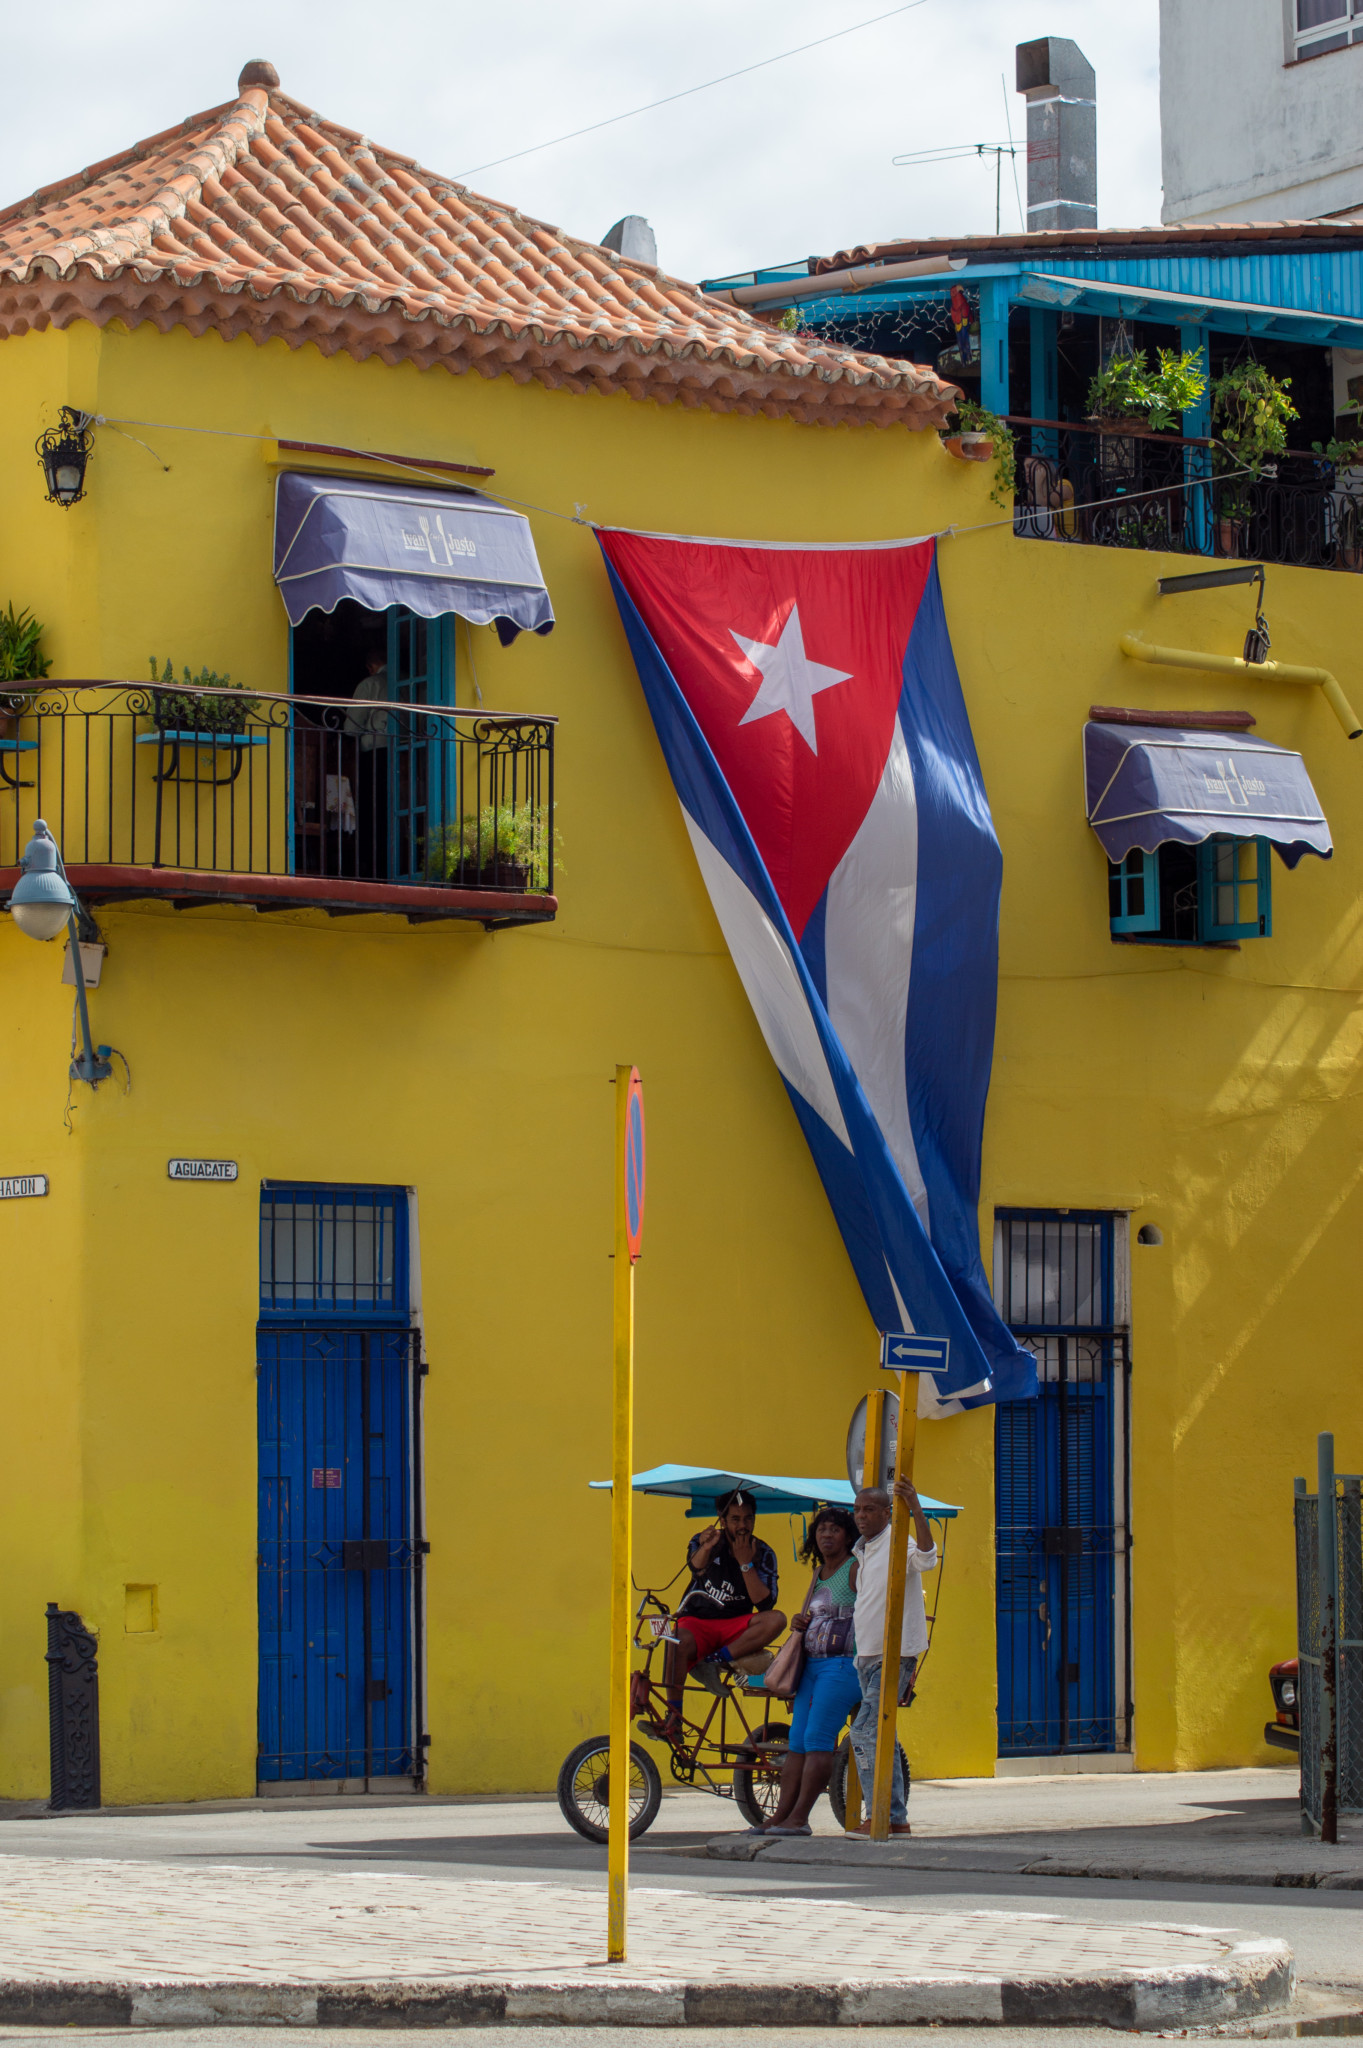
(340, 1545)
(1060, 1493)
(1330, 1645)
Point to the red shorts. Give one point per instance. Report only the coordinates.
(708, 1635)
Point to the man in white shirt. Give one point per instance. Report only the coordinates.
(872, 1514)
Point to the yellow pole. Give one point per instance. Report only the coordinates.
(622, 1506)
(870, 1476)
(887, 1723)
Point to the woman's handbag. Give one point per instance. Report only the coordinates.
(783, 1679)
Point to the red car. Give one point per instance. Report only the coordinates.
(1284, 1730)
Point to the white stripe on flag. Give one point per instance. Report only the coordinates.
(771, 982)
(868, 953)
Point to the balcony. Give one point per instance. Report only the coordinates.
(283, 803)
(1126, 489)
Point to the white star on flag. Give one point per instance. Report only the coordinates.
(790, 680)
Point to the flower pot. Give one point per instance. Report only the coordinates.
(1229, 533)
(971, 447)
(499, 872)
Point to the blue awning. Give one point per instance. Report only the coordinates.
(701, 1485)
(1145, 784)
(383, 544)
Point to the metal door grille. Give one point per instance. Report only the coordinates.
(1330, 1645)
(341, 1551)
(1060, 1478)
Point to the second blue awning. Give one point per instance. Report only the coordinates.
(1146, 784)
(383, 544)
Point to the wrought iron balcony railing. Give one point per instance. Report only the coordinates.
(344, 804)
(1130, 489)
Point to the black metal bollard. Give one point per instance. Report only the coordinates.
(72, 1709)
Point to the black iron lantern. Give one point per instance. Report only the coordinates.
(63, 452)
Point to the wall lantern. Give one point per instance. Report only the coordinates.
(63, 452)
(42, 904)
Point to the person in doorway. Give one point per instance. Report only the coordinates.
(729, 1608)
(872, 1514)
(829, 1686)
(371, 728)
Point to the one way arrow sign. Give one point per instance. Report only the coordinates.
(901, 1351)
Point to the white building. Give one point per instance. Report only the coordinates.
(1260, 109)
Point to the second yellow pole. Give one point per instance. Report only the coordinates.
(622, 1508)
(888, 1720)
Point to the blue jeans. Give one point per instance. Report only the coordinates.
(828, 1692)
(864, 1737)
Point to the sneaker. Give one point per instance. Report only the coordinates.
(803, 1829)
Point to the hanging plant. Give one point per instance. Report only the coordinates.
(1250, 412)
(969, 418)
(1126, 388)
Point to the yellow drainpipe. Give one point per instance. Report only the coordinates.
(1267, 671)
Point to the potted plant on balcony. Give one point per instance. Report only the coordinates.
(1345, 499)
(176, 710)
(503, 847)
(980, 436)
(1127, 393)
(1250, 412)
(21, 661)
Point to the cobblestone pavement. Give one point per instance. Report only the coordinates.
(123, 1922)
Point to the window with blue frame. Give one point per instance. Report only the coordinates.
(333, 1252)
(1215, 894)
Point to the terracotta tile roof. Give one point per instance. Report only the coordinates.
(1342, 229)
(260, 217)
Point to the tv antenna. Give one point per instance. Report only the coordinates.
(954, 151)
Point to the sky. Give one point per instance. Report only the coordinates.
(789, 161)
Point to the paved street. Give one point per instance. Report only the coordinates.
(301, 1875)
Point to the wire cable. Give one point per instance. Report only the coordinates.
(687, 91)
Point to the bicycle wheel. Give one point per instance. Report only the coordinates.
(837, 1784)
(757, 1785)
(584, 1789)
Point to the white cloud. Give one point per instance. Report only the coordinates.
(790, 161)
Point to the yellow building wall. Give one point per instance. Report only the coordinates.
(1214, 1093)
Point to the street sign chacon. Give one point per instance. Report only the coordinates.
(15, 1186)
(902, 1351)
(202, 1169)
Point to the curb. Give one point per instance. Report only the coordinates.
(1255, 1980)
(928, 1854)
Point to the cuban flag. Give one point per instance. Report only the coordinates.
(808, 706)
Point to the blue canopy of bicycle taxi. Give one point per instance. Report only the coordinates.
(699, 1485)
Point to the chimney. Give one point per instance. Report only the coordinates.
(1062, 133)
(632, 237)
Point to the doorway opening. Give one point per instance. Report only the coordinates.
(1061, 1486)
(338, 1371)
(372, 790)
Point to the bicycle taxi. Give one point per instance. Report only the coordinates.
(733, 1736)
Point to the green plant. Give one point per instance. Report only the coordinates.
(21, 657)
(1127, 388)
(969, 418)
(178, 712)
(789, 322)
(499, 836)
(1250, 412)
(1340, 454)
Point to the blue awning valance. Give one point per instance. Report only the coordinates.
(1146, 784)
(382, 544)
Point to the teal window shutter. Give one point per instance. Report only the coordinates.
(1233, 890)
(1133, 892)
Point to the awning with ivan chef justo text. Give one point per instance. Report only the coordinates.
(1147, 784)
(808, 707)
(383, 544)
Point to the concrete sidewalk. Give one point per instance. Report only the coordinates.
(1238, 1827)
(100, 1941)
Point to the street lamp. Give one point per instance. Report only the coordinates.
(42, 902)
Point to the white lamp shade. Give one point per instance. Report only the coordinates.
(41, 920)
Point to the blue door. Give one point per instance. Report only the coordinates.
(339, 1550)
(422, 755)
(1060, 1492)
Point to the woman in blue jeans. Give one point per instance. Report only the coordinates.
(829, 1689)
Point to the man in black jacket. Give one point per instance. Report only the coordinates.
(729, 1610)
